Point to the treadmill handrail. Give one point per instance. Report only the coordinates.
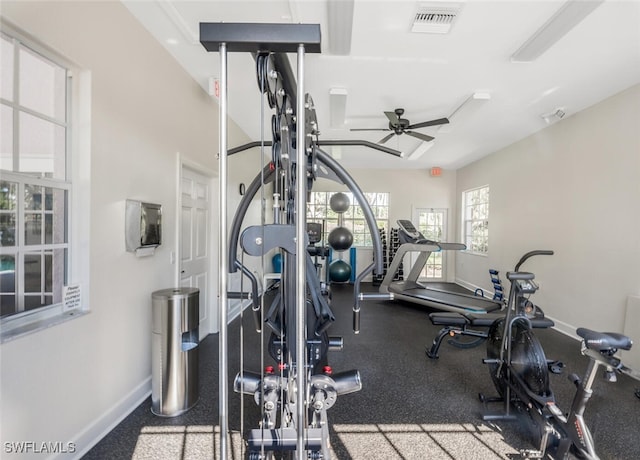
(397, 260)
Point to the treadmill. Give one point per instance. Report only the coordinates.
(410, 290)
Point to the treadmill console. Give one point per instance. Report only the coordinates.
(407, 227)
(314, 232)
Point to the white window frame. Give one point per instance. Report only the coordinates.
(349, 218)
(77, 184)
(472, 215)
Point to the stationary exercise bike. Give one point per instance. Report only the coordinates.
(519, 371)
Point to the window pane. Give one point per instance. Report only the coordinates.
(32, 302)
(33, 229)
(6, 77)
(7, 263)
(6, 138)
(7, 229)
(42, 85)
(42, 147)
(33, 272)
(55, 218)
(7, 302)
(8, 199)
(32, 197)
(55, 270)
(8, 195)
(48, 272)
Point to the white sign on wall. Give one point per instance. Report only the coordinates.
(71, 297)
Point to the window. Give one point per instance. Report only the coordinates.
(476, 220)
(36, 186)
(318, 210)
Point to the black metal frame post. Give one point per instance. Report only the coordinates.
(242, 37)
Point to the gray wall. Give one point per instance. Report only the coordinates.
(573, 187)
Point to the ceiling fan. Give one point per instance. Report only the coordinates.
(400, 125)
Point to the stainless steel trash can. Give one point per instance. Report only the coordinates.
(174, 351)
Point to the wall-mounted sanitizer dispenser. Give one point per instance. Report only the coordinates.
(143, 227)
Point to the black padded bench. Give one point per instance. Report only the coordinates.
(455, 324)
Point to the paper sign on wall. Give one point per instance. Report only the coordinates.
(71, 297)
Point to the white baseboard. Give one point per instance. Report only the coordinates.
(565, 328)
(472, 287)
(90, 436)
(560, 326)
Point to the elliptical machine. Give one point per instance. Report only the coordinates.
(519, 371)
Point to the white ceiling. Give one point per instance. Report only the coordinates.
(429, 75)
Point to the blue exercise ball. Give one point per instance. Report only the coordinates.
(276, 261)
(339, 271)
(339, 202)
(340, 239)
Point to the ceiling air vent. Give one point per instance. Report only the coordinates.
(435, 18)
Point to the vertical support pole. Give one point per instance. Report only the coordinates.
(301, 257)
(223, 368)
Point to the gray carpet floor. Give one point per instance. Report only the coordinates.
(410, 407)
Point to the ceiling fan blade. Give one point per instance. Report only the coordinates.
(369, 129)
(386, 138)
(424, 124)
(393, 118)
(423, 137)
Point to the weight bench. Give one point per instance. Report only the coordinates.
(459, 324)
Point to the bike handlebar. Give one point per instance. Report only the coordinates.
(538, 252)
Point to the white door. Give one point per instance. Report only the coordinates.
(195, 241)
(432, 223)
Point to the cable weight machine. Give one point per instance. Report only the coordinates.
(295, 396)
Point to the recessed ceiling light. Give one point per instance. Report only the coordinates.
(172, 41)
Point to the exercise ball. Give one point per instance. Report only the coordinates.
(339, 271)
(339, 202)
(276, 261)
(340, 239)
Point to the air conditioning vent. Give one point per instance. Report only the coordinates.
(435, 18)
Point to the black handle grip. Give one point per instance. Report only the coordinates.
(539, 252)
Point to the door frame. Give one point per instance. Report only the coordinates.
(445, 232)
(212, 307)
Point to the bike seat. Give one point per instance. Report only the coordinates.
(604, 341)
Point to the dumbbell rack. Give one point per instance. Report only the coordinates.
(378, 277)
(395, 244)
